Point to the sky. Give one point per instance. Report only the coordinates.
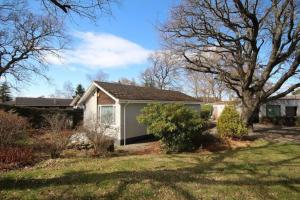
(119, 45)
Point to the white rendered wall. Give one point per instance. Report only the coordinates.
(283, 103)
(90, 111)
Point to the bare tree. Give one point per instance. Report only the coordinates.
(99, 132)
(147, 78)
(59, 139)
(163, 72)
(202, 85)
(28, 35)
(255, 43)
(89, 8)
(126, 81)
(25, 40)
(68, 89)
(98, 76)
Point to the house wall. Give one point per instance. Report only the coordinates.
(130, 125)
(217, 110)
(90, 117)
(90, 111)
(283, 103)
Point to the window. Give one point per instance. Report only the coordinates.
(107, 114)
(273, 111)
(291, 111)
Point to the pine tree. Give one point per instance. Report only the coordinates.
(5, 94)
(79, 90)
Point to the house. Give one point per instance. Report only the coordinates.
(208, 100)
(219, 106)
(119, 105)
(41, 102)
(288, 106)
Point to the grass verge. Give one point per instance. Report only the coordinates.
(262, 171)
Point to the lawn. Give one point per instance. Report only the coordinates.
(263, 171)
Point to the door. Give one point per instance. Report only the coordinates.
(291, 111)
(273, 111)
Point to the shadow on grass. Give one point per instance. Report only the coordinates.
(255, 173)
(281, 130)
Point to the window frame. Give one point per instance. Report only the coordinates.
(100, 113)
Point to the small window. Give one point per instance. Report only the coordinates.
(273, 111)
(107, 114)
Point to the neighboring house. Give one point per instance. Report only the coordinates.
(219, 106)
(288, 106)
(208, 100)
(119, 105)
(41, 102)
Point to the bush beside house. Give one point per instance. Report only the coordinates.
(176, 125)
(13, 129)
(230, 124)
(281, 121)
(35, 116)
(206, 111)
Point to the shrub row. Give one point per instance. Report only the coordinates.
(206, 111)
(11, 157)
(35, 115)
(230, 124)
(286, 121)
(12, 128)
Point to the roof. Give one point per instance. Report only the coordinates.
(291, 97)
(42, 102)
(131, 92)
(208, 99)
(75, 100)
(10, 103)
(230, 102)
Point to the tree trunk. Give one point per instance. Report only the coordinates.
(248, 115)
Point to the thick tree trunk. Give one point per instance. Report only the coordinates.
(249, 109)
(248, 115)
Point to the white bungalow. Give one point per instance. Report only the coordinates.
(119, 105)
(288, 106)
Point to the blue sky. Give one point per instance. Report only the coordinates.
(118, 45)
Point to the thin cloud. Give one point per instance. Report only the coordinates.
(101, 50)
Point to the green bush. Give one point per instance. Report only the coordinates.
(297, 122)
(175, 124)
(280, 121)
(206, 111)
(230, 124)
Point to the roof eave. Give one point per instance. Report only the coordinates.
(153, 101)
(88, 92)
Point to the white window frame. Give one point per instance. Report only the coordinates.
(114, 112)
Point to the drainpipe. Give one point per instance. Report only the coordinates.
(124, 124)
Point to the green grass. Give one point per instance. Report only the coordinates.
(263, 171)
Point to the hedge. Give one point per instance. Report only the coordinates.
(206, 111)
(35, 115)
(283, 120)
